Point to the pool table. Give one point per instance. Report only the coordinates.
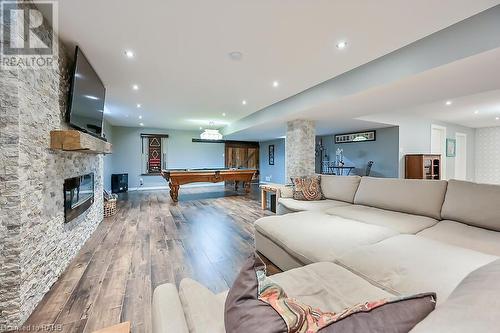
(177, 177)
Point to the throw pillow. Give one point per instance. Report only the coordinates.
(307, 188)
(244, 312)
(256, 304)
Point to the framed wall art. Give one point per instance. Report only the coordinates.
(451, 147)
(271, 154)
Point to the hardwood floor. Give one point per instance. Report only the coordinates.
(207, 236)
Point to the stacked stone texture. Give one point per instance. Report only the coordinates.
(10, 199)
(299, 147)
(35, 243)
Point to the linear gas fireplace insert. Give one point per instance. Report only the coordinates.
(78, 195)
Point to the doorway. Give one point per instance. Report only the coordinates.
(242, 155)
(461, 156)
(438, 145)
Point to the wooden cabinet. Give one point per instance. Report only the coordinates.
(422, 166)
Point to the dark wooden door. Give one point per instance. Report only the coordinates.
(242, 155)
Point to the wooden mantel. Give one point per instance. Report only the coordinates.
(72, 140)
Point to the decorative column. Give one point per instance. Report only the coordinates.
(299, 147)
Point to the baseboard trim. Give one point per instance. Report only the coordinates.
(264, 182)
(147, 188)
(165, 187)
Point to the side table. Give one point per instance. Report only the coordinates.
(269, 188)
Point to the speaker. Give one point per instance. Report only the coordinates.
(273, 203)
(119, 182)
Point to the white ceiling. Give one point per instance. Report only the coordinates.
(182, 66)
(471, 83)
(479, 110)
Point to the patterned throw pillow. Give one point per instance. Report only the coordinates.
(255, 303)
(307, 188)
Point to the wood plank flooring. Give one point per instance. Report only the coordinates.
(207, 236)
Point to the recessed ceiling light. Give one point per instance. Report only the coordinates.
(342, 44)
(135, 87)
(476, 112)
(141, 124)
(244, 102)
(223, 114)
(448, 103)
(140, 117)
(235, 55)
(497, 118)
(139, 106)
(129, 54)
(275, 84)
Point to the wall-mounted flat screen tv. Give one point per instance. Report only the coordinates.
(86, 98)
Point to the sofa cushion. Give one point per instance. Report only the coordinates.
(474, 204)
(204, 311)
(167, 312)
(258, 303)
(400, 222)
(314, 236)
(342, 188)
(419, 197)
(279, 256)
(472, 307)
(328, 286)
(396, 314)
(459, 234)
(299, 206)
(410, 264)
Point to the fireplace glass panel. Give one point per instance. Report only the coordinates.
(78, 195)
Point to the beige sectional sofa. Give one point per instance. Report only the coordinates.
(367, 210)
(338, 191)
(369, 239)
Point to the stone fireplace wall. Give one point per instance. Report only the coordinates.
(35, 243)
(10, 201)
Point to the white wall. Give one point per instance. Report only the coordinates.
(415, 138)
(488, 155)
(451, 131)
